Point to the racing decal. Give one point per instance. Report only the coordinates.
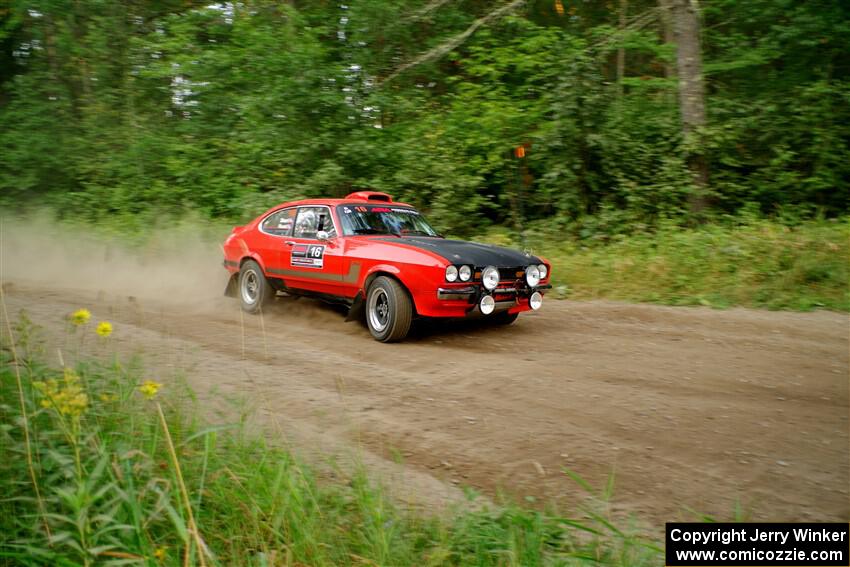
(378, 210)
(308, 256)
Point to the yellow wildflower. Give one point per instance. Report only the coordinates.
(149, 388)
(159, 553)
(108, 397)
(66, 397)
(80, 316)
(104, 329)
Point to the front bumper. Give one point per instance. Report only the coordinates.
(456, 293)
(473, 292)
(462, 301)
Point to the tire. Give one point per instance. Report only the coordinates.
(505, 318)
(389, 310)
(254, 290)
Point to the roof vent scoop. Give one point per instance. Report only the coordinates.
(370, 196)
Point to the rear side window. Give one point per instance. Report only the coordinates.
(313, 219)
(279, 223)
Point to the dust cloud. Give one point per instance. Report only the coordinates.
(180, 264)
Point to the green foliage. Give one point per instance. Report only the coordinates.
(744, 261)
(109, 493)
(127, 109)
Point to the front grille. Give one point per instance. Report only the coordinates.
(507, 276)
(511, 274)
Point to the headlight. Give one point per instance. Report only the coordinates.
(532, 276)
(487, 304)
(490, 277)
(465, 273)
(451, 274)
(535, 301)
(544, 271)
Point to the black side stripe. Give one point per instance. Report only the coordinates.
(351, 277)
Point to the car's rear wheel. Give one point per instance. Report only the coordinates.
(389, 310)
(254, 290)
(505, 318)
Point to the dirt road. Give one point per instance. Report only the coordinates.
(690, 408)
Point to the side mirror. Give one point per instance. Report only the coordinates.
(323, 235)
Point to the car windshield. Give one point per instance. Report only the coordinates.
(373, 219)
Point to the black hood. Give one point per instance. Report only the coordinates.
(463, 252)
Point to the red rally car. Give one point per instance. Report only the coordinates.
(371, 253)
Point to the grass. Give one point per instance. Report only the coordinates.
(747, 261)
(753, 263)
(101, 466)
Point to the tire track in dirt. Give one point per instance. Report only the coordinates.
(692, 408)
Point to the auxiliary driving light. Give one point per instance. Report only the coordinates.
(490, 277)
(451, 274)
(535, 301)
(465, 273)
(488, 304)
(532, 276)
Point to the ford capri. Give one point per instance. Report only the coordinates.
(380, 258)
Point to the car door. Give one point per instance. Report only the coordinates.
(270, 239)
(315, 264)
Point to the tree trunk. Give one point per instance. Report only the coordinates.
(667, 35)
(621, 52)
(686, 29)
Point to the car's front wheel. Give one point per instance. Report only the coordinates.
(254, 290)
(389, 310)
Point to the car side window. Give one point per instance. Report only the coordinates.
(326, 222)
(280, 223)
(311, 220)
